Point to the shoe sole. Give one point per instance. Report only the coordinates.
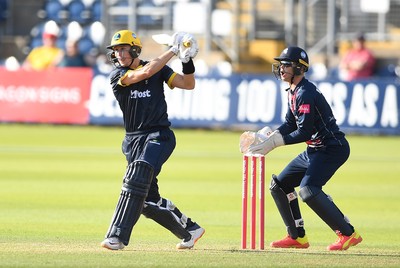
(293, 246)
(110, 247)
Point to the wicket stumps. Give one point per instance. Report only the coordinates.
(253, 196)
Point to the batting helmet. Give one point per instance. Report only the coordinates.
(126, 37)
(294, 54)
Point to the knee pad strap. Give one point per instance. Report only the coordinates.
(309, 192)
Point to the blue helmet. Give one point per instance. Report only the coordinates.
(294, 54)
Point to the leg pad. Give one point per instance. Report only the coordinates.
(137, 179)
(165, 218)
(323, 206)
(282, 201)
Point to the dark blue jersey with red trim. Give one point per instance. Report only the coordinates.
(309, 118)
(143, 104)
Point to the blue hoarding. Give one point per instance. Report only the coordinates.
(243, 101)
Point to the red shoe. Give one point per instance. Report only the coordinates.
(344, 242)
(288, 242)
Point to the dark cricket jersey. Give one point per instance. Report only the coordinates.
(142, 104)
(309, 118)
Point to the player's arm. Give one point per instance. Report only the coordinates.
(289, 125)
(305, 120)
(305, 115)
(152, 67)
(185, 80)
(188, 50)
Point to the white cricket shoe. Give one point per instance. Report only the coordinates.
(196, 231)
(112, 243)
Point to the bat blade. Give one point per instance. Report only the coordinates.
(162, 39)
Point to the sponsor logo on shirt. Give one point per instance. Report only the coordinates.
(304, 108)
(135, 94)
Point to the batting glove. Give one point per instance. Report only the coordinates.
(176, 42)
(188, 48)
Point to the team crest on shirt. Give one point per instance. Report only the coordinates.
(304, 108)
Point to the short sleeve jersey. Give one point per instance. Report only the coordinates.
(309, 118)
(143, 104)
(363, 55)
(42, 57)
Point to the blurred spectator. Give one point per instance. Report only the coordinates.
(358, 63)
(48, 55)
(72, 56)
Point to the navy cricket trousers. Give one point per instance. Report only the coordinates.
(314, 166)
(154, 148)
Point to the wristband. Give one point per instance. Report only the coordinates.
(188, 67)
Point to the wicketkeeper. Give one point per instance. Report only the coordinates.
(309, 119)
(138, 87)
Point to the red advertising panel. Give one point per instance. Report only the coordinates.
(54, 96)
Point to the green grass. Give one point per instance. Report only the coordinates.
(59, 186)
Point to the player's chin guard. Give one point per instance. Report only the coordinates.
(294, 56)
(124, 37)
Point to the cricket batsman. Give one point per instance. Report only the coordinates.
(308, 119)
(138, 86)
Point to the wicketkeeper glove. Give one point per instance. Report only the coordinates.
(274, 140)
(249, 138)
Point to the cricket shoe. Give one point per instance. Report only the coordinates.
(344, 242)
(288, 242)
(196, 233)
(112, 243)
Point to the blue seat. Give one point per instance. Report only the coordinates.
(3, 10)
(86, 45)
(63, 31)
(77, 11)
(36, 42)
(37, 30)
(96, 10)
(61, 43)
(54, 10)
